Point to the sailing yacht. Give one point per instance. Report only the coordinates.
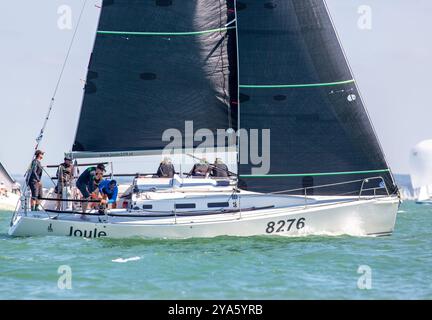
(270, 80)
(9, 191)
(421, 171)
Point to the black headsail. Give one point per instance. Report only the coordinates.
(156, 64)
(295, 81)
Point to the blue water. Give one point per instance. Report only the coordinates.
(224, 267)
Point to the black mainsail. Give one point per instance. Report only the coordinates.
(295, 80)
(156, 64)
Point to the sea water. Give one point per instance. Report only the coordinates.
(264, 267)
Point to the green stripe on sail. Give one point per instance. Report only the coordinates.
(312, 174)
(191, 33)
(307, 85)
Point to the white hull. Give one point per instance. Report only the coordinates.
(373, 216)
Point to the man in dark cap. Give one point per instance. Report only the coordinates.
(64, 178)
(34, 180)
(201, 169)
(219, 169)
(86, 181)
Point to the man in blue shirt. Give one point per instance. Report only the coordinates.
(108, 190)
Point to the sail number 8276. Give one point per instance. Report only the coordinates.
(285, 225)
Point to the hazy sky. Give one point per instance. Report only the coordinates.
(392, 63)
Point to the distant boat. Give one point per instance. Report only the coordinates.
(9, 191)
(421, 171)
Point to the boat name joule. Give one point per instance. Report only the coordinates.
(86, 233)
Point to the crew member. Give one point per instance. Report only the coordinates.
(166, 169)
(201, 169)
(34, 180)
(64, 178)
(108, 189)
(219, 169)
(86, 181)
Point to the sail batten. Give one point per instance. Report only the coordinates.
(144, 33)
(304, 85)
(314, 174)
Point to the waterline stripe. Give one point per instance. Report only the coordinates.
(312, 174)
(191, 33)
(307, 85)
